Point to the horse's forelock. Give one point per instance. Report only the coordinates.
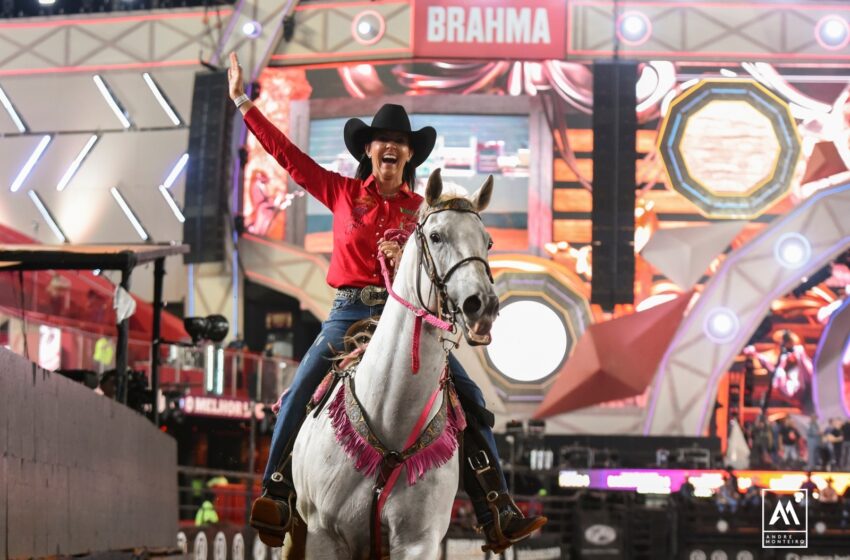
(425, 207)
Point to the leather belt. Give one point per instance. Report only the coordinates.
(369, 295)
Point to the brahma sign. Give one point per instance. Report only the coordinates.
(516, 29)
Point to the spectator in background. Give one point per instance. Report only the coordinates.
(809, 484)
(814, 438)
(833, 438)
(845, 445)
(789, 442)
(812, 488)
(686, 492)
(760, 444)
(732, 479)
(752, 498)
(106, 386)
(206, 513)
(828, 495)
(728, 497)
(776, 448)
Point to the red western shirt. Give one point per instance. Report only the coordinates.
(361, 214)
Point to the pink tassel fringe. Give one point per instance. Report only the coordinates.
(367, 459)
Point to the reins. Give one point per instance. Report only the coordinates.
(420, 313)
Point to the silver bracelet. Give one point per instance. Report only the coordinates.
(241, 100)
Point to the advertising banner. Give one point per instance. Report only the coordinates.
(515, 29)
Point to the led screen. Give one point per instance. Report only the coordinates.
(468, 149)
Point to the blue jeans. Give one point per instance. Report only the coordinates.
(345, 311)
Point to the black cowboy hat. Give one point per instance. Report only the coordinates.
(389, 117)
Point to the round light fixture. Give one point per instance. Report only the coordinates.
(721, 325)
(792, 250)
(368, 27)
(633, 28)
(820, 527)
(722, 525)
(252, 29)
(832, 32)
(523, 354)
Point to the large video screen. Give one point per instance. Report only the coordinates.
(468, 149)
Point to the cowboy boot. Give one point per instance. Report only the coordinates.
(273, 513)
(508, 525)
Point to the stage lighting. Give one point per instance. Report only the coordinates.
(252, 29)
(832, 32)
(792, 250)
(196, 327)
(633, 28)
(536, 427)
(368, 27)
(217, 327)
(213, 328)
(820, 527)
(514, 427)
(722, 525)
(33, 159)
(128, 212)
(721, 325)
(46, 2)
(521, 354)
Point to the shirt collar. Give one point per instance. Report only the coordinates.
(371, 183)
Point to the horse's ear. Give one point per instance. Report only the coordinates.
(434, 188)
(481, 198)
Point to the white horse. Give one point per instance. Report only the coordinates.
(333, 498)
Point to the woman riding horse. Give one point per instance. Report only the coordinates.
(379, 198)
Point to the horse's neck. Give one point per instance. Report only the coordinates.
(391, 395)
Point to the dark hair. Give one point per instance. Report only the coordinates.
(364, 169)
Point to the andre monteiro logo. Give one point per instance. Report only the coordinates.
(785, 518)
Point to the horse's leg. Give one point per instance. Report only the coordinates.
(321, 545)
(422, 547)
(294, 547)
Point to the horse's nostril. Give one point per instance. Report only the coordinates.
(471, 305)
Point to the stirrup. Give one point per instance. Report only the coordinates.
(273, 518)
(502, 507)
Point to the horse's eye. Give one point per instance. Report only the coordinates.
(435, 237)
(490, 244)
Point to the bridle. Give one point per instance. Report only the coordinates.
(446, 306)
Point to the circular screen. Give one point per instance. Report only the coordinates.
(522, 353)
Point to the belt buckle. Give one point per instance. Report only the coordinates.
(370, 296)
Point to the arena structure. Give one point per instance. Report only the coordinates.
(658, 304)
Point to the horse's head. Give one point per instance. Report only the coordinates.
(453, 245)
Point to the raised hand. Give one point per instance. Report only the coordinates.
(234, 78)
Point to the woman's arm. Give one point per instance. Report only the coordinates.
(316, 180)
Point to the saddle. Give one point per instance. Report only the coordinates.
(355, 341)
(359, 334)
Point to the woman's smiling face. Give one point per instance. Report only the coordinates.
(389, 152)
